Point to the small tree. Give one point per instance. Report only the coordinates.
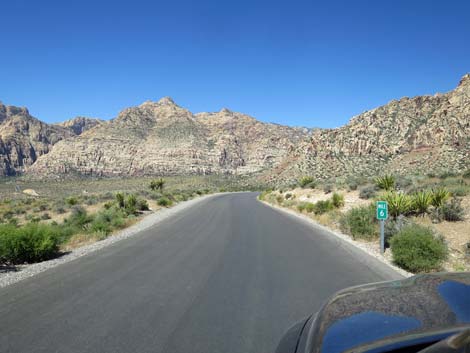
(157, 184)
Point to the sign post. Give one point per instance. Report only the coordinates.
(382, 215)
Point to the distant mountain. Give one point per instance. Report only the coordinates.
(80, 124)
(24, 138)
(424, 134)
(163, 138)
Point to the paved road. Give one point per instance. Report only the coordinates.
(228, 275)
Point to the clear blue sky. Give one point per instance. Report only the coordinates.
(305, 63)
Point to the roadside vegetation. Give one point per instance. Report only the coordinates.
(39, 220)
(428, 225)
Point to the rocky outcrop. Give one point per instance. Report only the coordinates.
(411, 135)
(163, 138)
(80, 124)
(24, 138)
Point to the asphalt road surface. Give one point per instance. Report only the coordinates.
(228, 275)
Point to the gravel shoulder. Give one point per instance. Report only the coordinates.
(21, 272)
(366, 248)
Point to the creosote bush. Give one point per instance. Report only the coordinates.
(360, 223)
(417, 249)
(321, 207)
(453, 210)
(367, 192)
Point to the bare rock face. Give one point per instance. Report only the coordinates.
(423, 134)
(80, 124)
(23, 139)
(163, 138)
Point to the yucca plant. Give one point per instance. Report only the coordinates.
(398, 203)
(439, 197)
(420, 202)
(386, 182)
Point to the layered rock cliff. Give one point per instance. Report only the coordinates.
(424, 134)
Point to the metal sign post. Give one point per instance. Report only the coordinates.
(382, 215)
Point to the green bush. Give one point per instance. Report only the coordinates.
(120, 200)
(309, 207)
(352, 185)
(367, 192)
(360, 223)
(157, 184)
(164, 201)
(322, 207)
(466, 174)
(142, 205)
(71, 201)
(279, 199)
(416, 249)
(386, 182)
(130, 204)
(421, 201)
(398, 203)
(32, 242)
(307, 182)
(337, 200)
(289, 196)
(79, 217)
(453, 210)
(393, 227)
(301, 206)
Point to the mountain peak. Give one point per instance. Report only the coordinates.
(465, 80)
(166, 101)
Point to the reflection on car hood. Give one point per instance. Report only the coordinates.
(387, 312)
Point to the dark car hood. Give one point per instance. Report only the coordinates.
(361, 318)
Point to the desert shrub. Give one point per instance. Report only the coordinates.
(32, 242)
(386, 182)
(71, 201)
(421, 201)
(367, 192)
(453, 211)
(279, 199)
(59, 210)
(327, 188)
(446, 175)
(360, 223)
(301, 206)
(322, 207)
(79, 217)
(289, 196)
(91, 201)
(307, 182)
(43, 207)
(337, 200)
(439, 197)
(164, 201)
(417, 249)
(130, 204)
(45, 216)
(120, 199)
(403, 183)
(142, 205)
(459, 190)
(352, 185)
(263, 195)
(309, 207)
(466, 174)
(394, 226)
(157, 184)
(398, 203)
(99, 225)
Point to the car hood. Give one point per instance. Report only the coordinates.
(366, 317)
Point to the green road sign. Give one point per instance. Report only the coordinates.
(382, 210)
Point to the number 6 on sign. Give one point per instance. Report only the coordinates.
(382, 210)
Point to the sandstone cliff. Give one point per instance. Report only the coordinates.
(423, 134)
(163, 138)
(23, 139)
(80, 124)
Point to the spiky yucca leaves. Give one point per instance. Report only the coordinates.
(420, 202)
(398, 203)
(439, 197)
(386, 182)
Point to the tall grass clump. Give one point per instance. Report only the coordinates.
(386, 182)
(337, 200)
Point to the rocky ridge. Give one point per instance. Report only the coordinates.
(23, 139)
(424, 134)
(80, 124)
(164, 138)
